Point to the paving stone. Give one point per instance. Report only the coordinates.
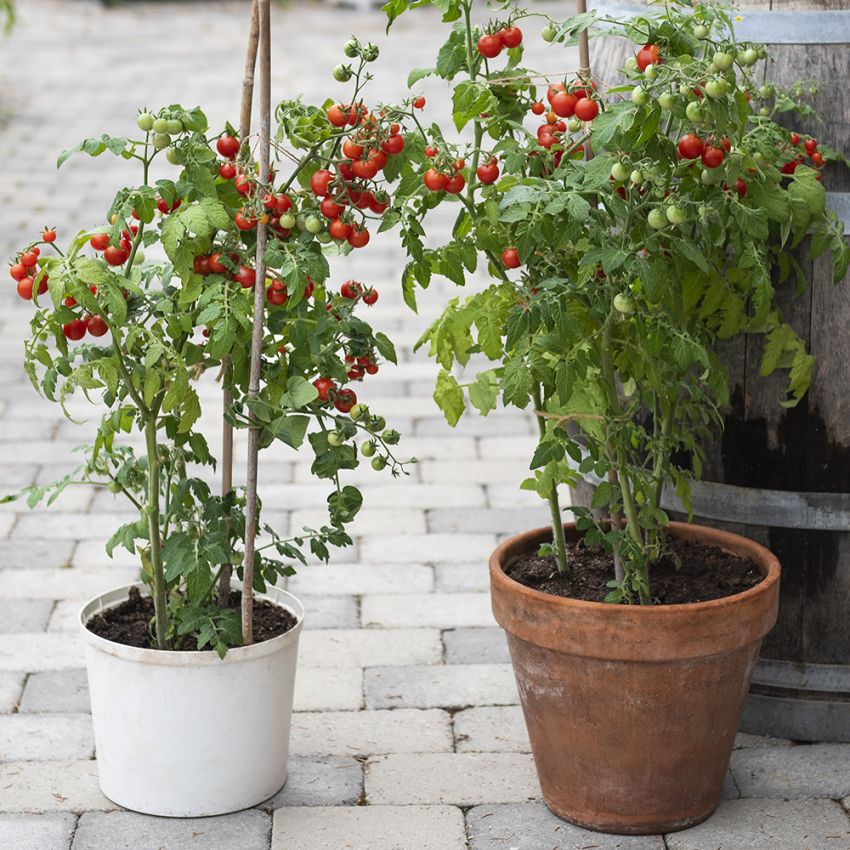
(369, 648)
(330, 612)
(89, 554)
(744, 741)
(459, 779)
(439, 610)
(531, 826)
(499, 447)
(328, 689)
(65, 616)
(29, 652)
(51, 786)
(493, 729)
(24, 615)
(456, 686)
(11, 686)
(510, 496)
(372, 521)
(33, 737)
(364, 733)
(56, 691)
(78, 525)
(462, 578)
(402, 493)
(7, 522)
(476, 646)
(356, 579)
(506, 471)
(370, 828)
(330, 781)
(35, 553)
(416, 548)
(500, 521)
(804, 771)
(131, 831)
(72, 583)
(768, 825)
(36, 832)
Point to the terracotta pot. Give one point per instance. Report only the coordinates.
(632, 711)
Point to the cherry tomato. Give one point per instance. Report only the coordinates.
(308, 289)
(378, 205)
(510, 258)
(487, 173)
(201, 265)
(435, 180)
(490, 46)
(345, 400)
(95, 325)
(339, 229)
(811, 145)
(227, 146)
(246, 277)
(25, 288)
(337, 116)
(49, 235)
(690, 146)
(215, 264)
(227, 170)
(419, 102)
(586, 109)
(741, 187)
(817, 159)
(352, 150)
(29, 258)
(18, 271)
(795, 139)
(712, 157)
(564, 104)
(538, 108)
(330, 208)
(324, 386)
(370, 296)
(359, 237)
(75, 329)
(364, 169)
(245, 222)
(283, 203)
(116, 256)
(276, 293)
(431, 151)
(393, 145)
(320, 182)
(351, 289)
(649, 54)
(511, 36)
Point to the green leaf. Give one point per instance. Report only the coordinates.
(291, 429)
(299, 392)
(449, 397)
(418, 74)
(516, 383)
(484, 391)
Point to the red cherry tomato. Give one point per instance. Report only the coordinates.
(29, 258)
(18, 271)
(49, 235)
(712, 157)
(337, 116)
(95, 325)
(345, 400)
(490, 46)
(246, 277)
(510, 258)
(649, 54)
(563, 104)
(215, 264)
(351, 289)
(511, 36)
(324, 387)
(370, 296)
(393, 145)
(690, 146)
(115, 255)
(419, 102)
(586, 109)
(74, 330)
(24, 288)
(201, 265)
(487, 173)
(352, 150)
(435, 180)
(320, 182)
(339, 229)
(245, 222)
(227, 146)
(359, 237)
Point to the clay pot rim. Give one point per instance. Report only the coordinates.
(735, 544)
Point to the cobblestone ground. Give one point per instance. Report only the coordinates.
(407, 734)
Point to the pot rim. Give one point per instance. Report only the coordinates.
(762, 557)
(189, 658)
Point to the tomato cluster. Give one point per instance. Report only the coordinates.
(491, 44)
(25, 271)
(801, 150)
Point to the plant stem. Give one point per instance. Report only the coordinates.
(152, 511)
(554, 503)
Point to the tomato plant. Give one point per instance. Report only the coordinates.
(135, 335)
(624, 236)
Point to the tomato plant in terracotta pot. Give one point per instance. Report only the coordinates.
(626, 231)
(130, 314)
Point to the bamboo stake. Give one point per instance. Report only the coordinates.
(227, 398)
(257, 335)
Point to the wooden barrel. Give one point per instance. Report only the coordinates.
(782, 477)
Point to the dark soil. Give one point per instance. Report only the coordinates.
(129, 622)
(704, 572)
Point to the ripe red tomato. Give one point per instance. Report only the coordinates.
(511, 36)
(95, 325)
(351, 289)
(115, 255)
(455, 184)
(201, 265)
(538, 108)
(649, 54)
(227, 170)
(324, 386)
(370, 296)
(510, 258)
(490, 46)
(308, 289)
(355, 373)
(378, 205)
(337, 116)
(818, 160)
(435, 180)
(431, 151)
(563, 104)
(75, 329)
(554, 88)
(741, 187)
(371, 368)
(352, 150)
(795, 139)
(586, 109)
(364, 169)
(393, 145)
(330, 208)
(419, 102)
(320, 181)
(283, 203)
(25, 288)
(712, 157)
(18, 271)
(359, 237)
(487, 173)
(277, 293)
(227, 146)
(339, 229)
(215, 264)
(243, 185)
(345, 400)
(811, 145)
(49, 235)
(246, 277)
(690, 146)
(245, 222)
(29, 258)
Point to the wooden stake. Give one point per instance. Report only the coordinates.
(257, 335)
(227, 398)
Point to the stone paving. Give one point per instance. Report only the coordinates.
(407, 733)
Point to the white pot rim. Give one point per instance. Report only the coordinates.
(202, 658)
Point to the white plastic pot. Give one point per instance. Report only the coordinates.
(187, 734)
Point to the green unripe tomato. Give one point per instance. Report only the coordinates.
(378, 463)
(367, 449)
(175, 126)
(145, 122)
(624, 304)
(335, 439)
(764, 111)
(312, 224)
(667, 100)
(371, 52)
(760, 159)
(324, 238)
(173, 156)
(161, 141)
(656, 219)
(359, 411)
(549, 33)
(287, 221)
(376, 423)
(748, 57)
(139, 257)
(639, 96)
(766, 91)
(391, 437)
(716, 89)
(160, 125)
(619, 172)
(575, 125)
(113, 487)
(695, 112)
(701, 32)
(684, 89)
(813, 90)
(722, 61)
(676, 215)
(636, 177)
(710, 176)
(650, 72)
(342, 73)
(351, 47)
(631, 64)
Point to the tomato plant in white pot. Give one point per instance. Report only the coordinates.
(626, 233)
(192, 689)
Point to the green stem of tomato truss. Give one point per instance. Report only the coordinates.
(478, 126)
(554, 502)
(152, 512)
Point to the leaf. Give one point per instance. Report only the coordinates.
(546, 452)
(291, 429)
(345, 504)
(449, 397)
(299, 392)
(418, 74)
(484, 391)
(516, 383)
(95, 147)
